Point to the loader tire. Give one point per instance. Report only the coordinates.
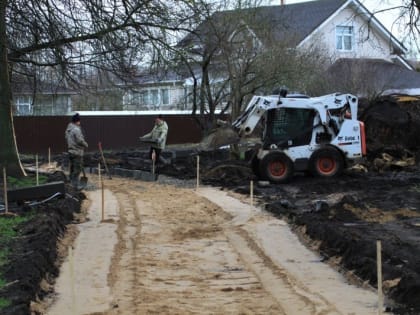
(326, 162)
(276, 167)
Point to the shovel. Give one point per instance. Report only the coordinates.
(83, 179)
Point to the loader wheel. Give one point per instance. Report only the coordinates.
(276, 167)
(326, 162)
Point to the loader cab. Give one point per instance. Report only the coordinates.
(288, 127)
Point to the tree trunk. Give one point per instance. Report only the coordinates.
(9, 157)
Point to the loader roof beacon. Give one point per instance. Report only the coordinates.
(321, 134)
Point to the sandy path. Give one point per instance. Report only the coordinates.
(177, 252)
(82, 287)
(310, 285)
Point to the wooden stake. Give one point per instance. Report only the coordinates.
(198, 171)
(72, 286)
(49, 157)
(101, 181)
(153, 162)
(36, 170)
(6, 203)
(379, 269)
(252, 192)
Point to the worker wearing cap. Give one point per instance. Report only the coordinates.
(76, 145)
(158, 136)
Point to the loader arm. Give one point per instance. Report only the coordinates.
(257, 107)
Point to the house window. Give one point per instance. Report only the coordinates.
(154, 97)
(344, 38)
(23, 105)
(164, 96)
(136, 98)
(151, 98)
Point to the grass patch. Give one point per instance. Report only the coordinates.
(8, 232)
(4, 303)
(3, 259)
(8, 225)
(28, 181)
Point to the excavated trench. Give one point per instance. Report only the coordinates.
(343, 216)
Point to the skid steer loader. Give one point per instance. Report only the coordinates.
(320, 135)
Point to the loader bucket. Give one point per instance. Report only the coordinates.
(219, 137)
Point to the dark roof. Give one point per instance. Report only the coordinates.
(375, 73)
(146, 77)
(26, 86)
(300, 19)
(295, 21)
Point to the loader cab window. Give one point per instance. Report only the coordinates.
(289, 127)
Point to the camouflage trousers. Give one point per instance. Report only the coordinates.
(76, 164)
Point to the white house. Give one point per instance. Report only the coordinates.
(154, 92)
(348, 30)
(344, 29)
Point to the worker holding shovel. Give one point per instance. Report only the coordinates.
(76, 145)
(157, 138)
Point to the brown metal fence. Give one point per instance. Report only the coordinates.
(38, 134)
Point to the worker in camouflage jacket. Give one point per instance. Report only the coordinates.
(76, 145)
(157, 137)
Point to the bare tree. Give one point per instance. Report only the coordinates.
(406, 21)
(235, 54)
(195, 56)
(64, 34)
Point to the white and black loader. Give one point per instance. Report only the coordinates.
(320, 135)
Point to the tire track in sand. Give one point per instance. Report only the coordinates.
(173, 257)
(179, 253)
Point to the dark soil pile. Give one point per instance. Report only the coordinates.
(33, 254)
(391, 127)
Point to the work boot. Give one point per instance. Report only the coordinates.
(76, 185)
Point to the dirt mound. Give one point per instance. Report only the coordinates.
(392, 127)
(33, 256)
(219, 137)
